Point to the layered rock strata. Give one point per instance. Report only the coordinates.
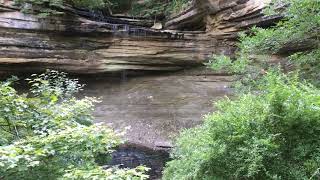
(223, 17)
(75, 44)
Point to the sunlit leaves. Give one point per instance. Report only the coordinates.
(49, 134)
(273, 135)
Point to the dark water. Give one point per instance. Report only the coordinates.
(131, 156)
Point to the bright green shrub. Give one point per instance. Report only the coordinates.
(273, 131)
(48, 134)
(272, 134)
(308, 64)
(225, 63)
(299, 27)
(109, 174)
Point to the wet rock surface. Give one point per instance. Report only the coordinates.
(155, 108)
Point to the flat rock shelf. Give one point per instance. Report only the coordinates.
(155, 108)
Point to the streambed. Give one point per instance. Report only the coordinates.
(153, 109)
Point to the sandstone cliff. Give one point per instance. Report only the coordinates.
(75, 43)
(223, 17)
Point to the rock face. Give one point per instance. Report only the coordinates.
(156, 108)
(75, 44)
(229, 17)
(223, 17)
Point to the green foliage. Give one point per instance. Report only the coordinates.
(301, 24)
(48, 7)
(297, 35)
(271, 131)
(225, 63)
(155, 8)
(149, 8)
(308, 64)
(109, 174)
(272, 135)
(48, 157)
(48, 134)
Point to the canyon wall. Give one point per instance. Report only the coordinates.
(223, 18)
(75, 43)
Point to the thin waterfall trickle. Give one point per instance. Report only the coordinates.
(114, 28)
(123, 93)
(126, 29)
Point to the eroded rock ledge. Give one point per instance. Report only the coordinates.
(223, 18)
(78, 45)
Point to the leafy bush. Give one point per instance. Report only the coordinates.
(225, 63)
(299, 27)
(271, 131)
(270, 135)
(48, 134)
(297, 35)
(308, 64)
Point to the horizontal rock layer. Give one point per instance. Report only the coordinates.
(78, 45)
(223, 17)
